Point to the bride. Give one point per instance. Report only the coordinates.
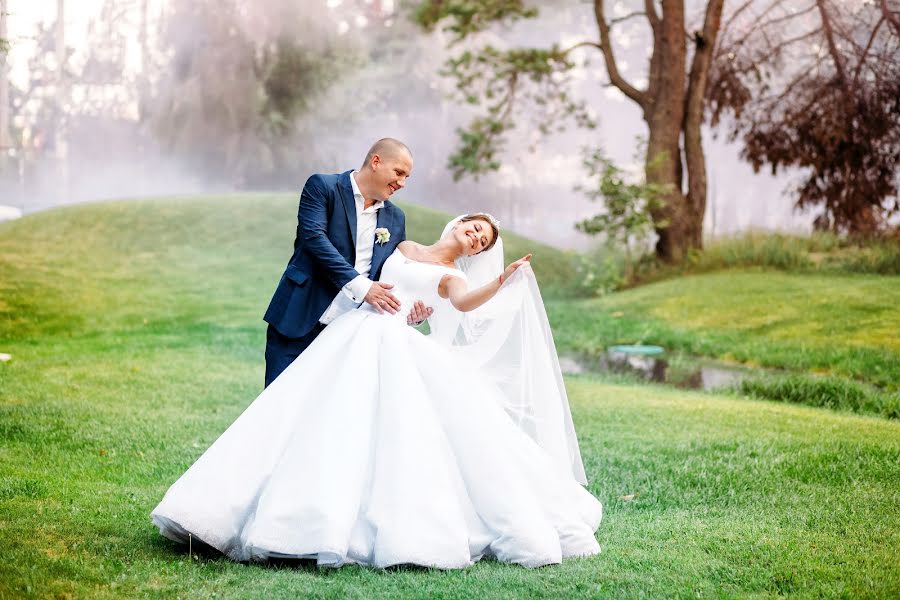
(383, 446)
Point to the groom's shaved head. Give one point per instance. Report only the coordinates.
(388, 165)
(387, 148)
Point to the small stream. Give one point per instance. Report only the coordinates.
(680, 371)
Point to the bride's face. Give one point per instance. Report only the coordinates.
(474, 236)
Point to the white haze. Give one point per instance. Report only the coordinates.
(533, 192)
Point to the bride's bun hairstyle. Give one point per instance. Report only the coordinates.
(489, 219)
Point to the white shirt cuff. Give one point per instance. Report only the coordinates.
(357, 288)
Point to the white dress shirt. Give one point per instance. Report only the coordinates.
(352, 294)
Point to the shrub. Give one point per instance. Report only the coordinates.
(828, 392)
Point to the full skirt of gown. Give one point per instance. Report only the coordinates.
(381, 447)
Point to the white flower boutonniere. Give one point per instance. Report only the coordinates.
(382, 235)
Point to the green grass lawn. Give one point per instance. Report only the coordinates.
(844, 325)
(136, 335)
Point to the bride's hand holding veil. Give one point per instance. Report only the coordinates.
(457, 291)
(512, 268)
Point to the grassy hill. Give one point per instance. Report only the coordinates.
(169, 262)
(136, 338)
(831, 338)
(845, 324)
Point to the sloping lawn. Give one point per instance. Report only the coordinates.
(844, 325)
(136, 339)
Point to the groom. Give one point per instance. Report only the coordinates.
(338, 253)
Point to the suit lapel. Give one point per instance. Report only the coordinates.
(346, 193)
(385, 219)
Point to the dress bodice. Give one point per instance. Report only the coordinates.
(412, 281)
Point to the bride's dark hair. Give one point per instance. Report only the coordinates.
(487, 219)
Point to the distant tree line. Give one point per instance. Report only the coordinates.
(223, 86)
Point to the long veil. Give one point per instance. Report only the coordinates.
(509, 338)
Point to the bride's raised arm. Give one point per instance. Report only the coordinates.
(457, 291)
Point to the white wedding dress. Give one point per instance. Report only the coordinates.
(383, 446)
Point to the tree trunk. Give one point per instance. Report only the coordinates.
(705, 41)
(62, 98)
(662, 165)
(671, 113)
(5, 139)
(664, 114)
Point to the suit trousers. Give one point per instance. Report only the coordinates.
(281, 350)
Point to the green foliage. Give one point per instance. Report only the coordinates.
(497, 79)
(478, 147)
(829, 392)
(468, 16)
(500, 80)
(4, 46)
(598, 273)
(296, 75)
(241, 127)
(628, 208)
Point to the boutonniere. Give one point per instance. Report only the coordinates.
(382, 235)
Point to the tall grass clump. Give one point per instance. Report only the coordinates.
(606, 269)
(821, 252)
(754, 249)
(878, 258)
(828, 392)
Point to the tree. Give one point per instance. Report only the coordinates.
(672, 101)
(4, 43)
(5, 139)
(62, 97)
(816, 85)
(238, 77)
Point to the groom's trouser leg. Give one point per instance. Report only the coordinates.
(281, 351)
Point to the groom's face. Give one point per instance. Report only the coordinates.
(390, 173)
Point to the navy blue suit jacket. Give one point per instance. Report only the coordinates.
(325, 252)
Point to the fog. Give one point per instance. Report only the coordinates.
(402, 95)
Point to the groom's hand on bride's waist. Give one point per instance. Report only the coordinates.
(419, 313)
(381, 298)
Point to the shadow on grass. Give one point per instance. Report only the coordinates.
(198, 550)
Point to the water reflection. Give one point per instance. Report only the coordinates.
(684, 372)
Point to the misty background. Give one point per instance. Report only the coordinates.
(162, 97)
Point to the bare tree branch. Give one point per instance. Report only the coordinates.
(693, 111)
(609, 58)
(891, 16)
(585, 44)
(832, 47)
(652, 16)
(862, 58)
(737, 12)
(631, 15)
(761, 25)
(790, 41)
